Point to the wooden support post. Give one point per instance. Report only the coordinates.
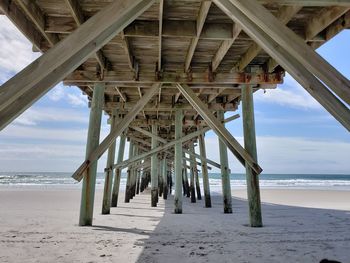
(196, 176)
(160, 178)
(21, 91)
(205, 176)
(250, 145)
(138, 181)
(133, 174)
(143, 180)
(118, 171)
(184, 191)
(106, 203)
(88, 190)
(225, 173)
(170, 181)
(178, 162)
(192, 183)
(187, 185)
(154, 169)
(129, 174)
(165, 178)
(218, 128)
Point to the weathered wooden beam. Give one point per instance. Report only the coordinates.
(88, 188)
(160, 31)
(203, 12)
(340, 24)
(150, 29)
(332, 104)
(206, 185)
(197, 78)
(193, 166)
(218, 128)
(117, 176)
(178, 162)
(253, 190)
(168, 106)
(165, 178)
(35, 80)
(122, 96)
(32, 11)
(212, 97)
(154, 169)
(107, 190)
(196, 176)
(123, 124)
(225, 172)
(166, 123)
(79, 18)
(17, 17)
(285, 14)
(307, 2)
(128, 52)
(323, 19)
(76, 11)
(127, 195)
(305, 55)
(224, 47)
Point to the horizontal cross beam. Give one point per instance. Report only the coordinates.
(80, 78)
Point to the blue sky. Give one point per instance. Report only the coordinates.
(294, 133)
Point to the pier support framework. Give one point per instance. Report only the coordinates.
(178, 162)
(250, 145)
(195, 94)
(88, 189)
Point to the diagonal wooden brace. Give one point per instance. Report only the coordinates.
(242, 155)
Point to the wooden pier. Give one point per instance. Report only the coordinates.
(166, 72)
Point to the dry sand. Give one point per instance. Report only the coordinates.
(41, 226)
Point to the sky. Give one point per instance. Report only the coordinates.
(294, 133)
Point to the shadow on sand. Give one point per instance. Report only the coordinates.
(290, 234)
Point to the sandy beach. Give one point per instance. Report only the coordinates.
(299, 226)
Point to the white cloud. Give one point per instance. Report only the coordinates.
(77, 100)
(35, 115)
(73, 97)
(44, 134)
(289, 94)
(16, 51)
(57, 93)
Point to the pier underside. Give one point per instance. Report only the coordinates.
(166, 72)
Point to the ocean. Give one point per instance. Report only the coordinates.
(279, 181)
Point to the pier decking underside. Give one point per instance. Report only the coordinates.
(174, 41)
